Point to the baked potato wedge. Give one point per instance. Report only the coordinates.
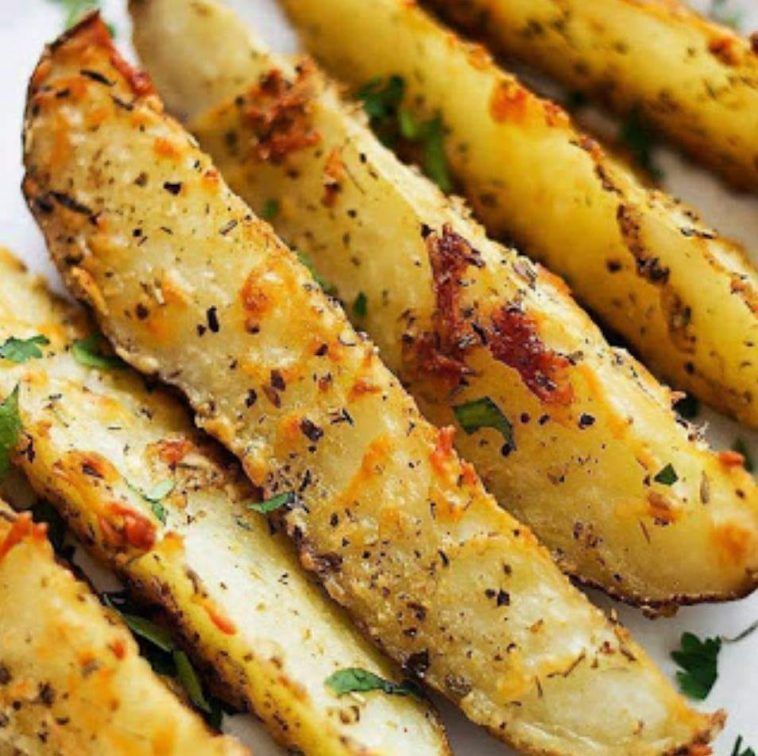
(584, 448)
(71, 677)
(683, 298)
(160, 503)
(693, 79)
(398, 529)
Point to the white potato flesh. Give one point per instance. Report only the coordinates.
(71, 677)
(695, 80)
(685, 299)
(399, 529)
(582, 473)
(256, 624)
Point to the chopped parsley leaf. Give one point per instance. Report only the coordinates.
(88, 352)
(270, 209)
(164, 656)
(667, 476)
(484, 413)
(637, 137)
(357, 680)
(741, 448)
(738, 749)
(699, 665)
(142, 627)
(360, 306)
(381, 101)
(187, 676)
(391, 123)
(277, 502)
(22, 350)
(155, 497)
(10, 430)
(328, 287)
(435, 162)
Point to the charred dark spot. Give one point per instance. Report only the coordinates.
(585, 420)
(310, 430)
(65, 200)
(212, 318)
(96, 76)
(173, 187)
(417, 664)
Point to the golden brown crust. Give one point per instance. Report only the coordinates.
(71, 677)
(669, 289)
(423, 561)
(693, 79)
(589, 427)
(96, 443)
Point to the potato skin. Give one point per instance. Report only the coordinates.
(71, 677)
(580, 472)
(683, 298)
(98, 438)
(693, 79)
(398, 529)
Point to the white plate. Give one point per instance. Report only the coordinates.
(26, 26)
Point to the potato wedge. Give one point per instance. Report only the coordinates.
(158, 502)
(579, 472)
(693, 79)
(71, 677)
(685, 299)
(398, 529)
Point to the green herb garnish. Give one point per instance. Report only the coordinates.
(187, 676)
(699, 665)
(10, 430)
(484, 413)
(637, 137)
(741, 448)
(435, 161)
(155, 497)
(738, 749)
(89, 352)
(357, 680)
(23, 350)
(360, 306)
(328, 287)
(164, 656)
(382, 101)
(270, 209)
(667, 476)
(277, 502)
(150, 631)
